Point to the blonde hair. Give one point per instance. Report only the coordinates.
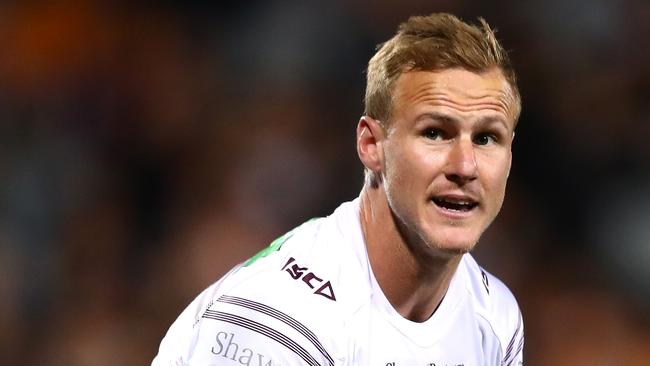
(429, 43)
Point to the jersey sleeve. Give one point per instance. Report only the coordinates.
(180, 340)
(509, 323)
(514, 352)
(244, 326)
(278, 308)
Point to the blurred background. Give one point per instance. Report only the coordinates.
(147, 147)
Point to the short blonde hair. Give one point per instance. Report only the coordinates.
(430, 43)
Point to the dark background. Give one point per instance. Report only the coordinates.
(147, 147)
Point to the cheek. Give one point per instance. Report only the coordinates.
(410, 165)
(417, 167)
(397, 161)
(495, 174)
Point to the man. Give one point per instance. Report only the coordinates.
(387, 278)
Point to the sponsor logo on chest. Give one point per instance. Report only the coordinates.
(428, 364)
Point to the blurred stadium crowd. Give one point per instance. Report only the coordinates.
(147, 147)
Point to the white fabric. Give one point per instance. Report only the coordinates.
(315, 301)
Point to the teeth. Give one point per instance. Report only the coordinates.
(455, 204)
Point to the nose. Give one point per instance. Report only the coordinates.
(461, 165)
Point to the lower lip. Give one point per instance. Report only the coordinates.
(454, 214)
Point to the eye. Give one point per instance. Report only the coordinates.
(432, 134)
(484, 138)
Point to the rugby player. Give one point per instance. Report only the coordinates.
(388, 278)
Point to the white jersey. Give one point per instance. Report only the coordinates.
(311, 299)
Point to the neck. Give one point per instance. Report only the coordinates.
(413, 278)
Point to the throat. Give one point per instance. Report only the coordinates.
(420, 301)
(415, 287)
(413, 282)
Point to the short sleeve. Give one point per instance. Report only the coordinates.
(245, 325)
(514, 353)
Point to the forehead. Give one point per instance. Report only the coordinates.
(457, 89)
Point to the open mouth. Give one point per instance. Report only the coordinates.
(455, 204)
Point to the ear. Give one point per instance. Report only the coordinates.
(370, 136)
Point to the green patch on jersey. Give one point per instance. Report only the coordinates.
(274, 246)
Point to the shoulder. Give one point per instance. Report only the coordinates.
(489, 292)
(274, 301)
(495, 303)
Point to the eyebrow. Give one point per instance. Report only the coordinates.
(438, 117)
(492, 119)
(486, 120)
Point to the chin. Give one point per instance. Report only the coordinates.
(453, 244)
(454, 250)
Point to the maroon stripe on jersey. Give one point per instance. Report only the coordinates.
(283, 317)
(514, 355)
(263, 330)
(514, 337)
